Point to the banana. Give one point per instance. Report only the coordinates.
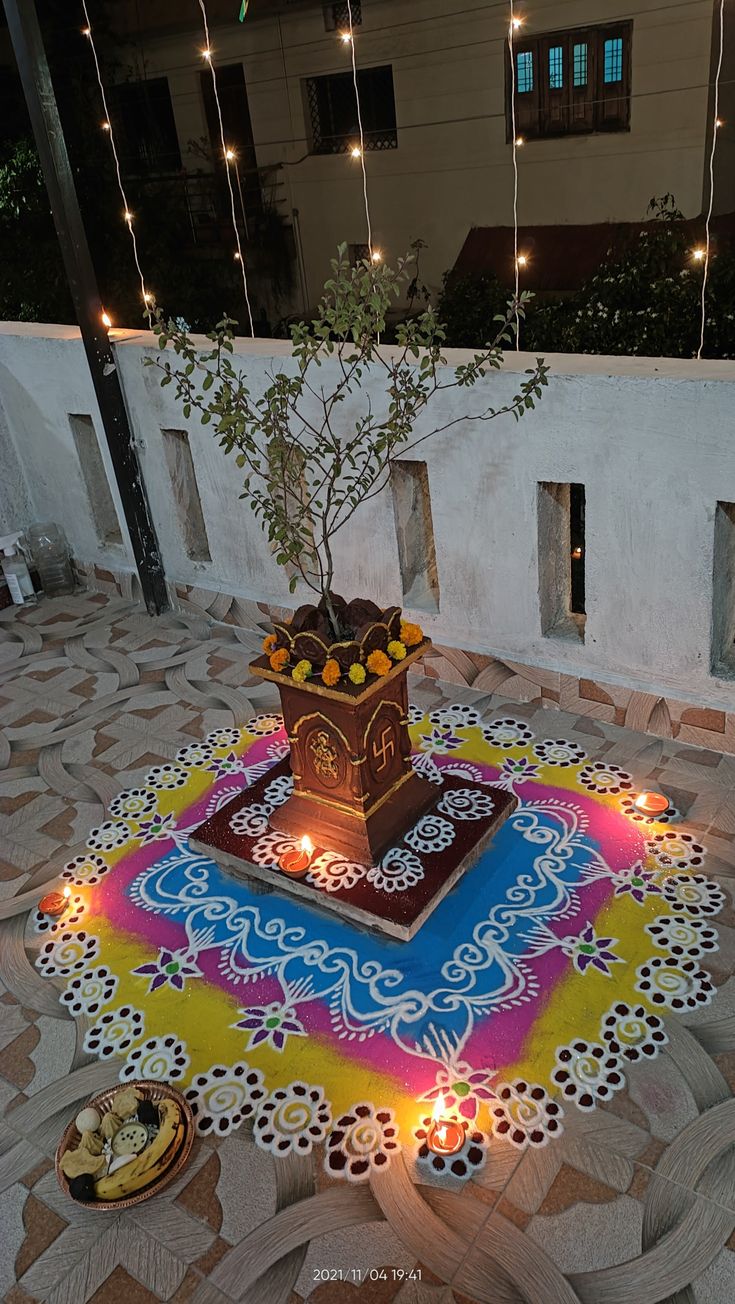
(151, 1162)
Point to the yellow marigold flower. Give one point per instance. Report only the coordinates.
(411, 634)
(378, 663)
(279, 660)
(356, 673)
(396, 650)
(269, 644)
(331, 672)
(301, 671)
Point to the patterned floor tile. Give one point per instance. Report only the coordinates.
(635, 1199)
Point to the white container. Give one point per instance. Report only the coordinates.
(16, 572)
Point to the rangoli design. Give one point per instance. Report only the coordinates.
(535, 984)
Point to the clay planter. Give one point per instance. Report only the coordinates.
(355, 790)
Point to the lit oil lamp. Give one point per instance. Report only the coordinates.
(55, 903)
(446, 1135)
(651, 803)
(297, 860)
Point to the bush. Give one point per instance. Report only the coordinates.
(644, 300)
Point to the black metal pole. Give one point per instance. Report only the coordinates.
(30, 55)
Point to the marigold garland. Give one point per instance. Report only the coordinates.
(331, 673)
(411, 635)
(378, 663)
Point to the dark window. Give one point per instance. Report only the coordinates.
(358, 253)
(144, 125)
(332, 107)
(337, 16)
(567, 82)
(238, 134)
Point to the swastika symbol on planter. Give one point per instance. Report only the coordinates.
(387, 748)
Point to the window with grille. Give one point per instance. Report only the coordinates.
(571, 82)
(579, 64)
(332, 111)
(145, 130)
(524, 72)
(613, 65)
(337, 16)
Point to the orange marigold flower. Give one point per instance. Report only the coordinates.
(378, 663)
(411, 634)
(279, 660)
(269, 644)
(331, 672)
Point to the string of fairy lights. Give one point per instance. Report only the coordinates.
(127, 214)
(373, 254)
(701, 254)
(228, 156)
(711, 199)
(513, 26)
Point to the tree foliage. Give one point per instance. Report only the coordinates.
(643, 300)
(308, 461)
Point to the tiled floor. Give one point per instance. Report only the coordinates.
(634, 1204)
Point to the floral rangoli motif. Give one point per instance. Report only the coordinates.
(545, 976)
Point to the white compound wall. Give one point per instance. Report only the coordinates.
(652, 440)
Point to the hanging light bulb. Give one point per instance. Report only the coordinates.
(147, 297)
(230, 155)
(106, 126)
(520, 140)
(356, 152)
(106, 321)
(522, 260)
(698, 254)
(376, 256)
(236, 256)
(718, 123)
(516, 24)
(345, 38)
(206, 54)
(86, 31)
(128, 217)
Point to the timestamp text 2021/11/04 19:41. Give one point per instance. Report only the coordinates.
(367, 1274)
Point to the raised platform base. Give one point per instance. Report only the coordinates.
(364, 838)
(394, 897)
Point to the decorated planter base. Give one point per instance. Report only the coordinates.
(394, 897)
(355, 790)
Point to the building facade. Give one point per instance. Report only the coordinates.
(613, 104)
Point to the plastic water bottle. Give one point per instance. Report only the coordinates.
(51, 555)
(16, 571)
